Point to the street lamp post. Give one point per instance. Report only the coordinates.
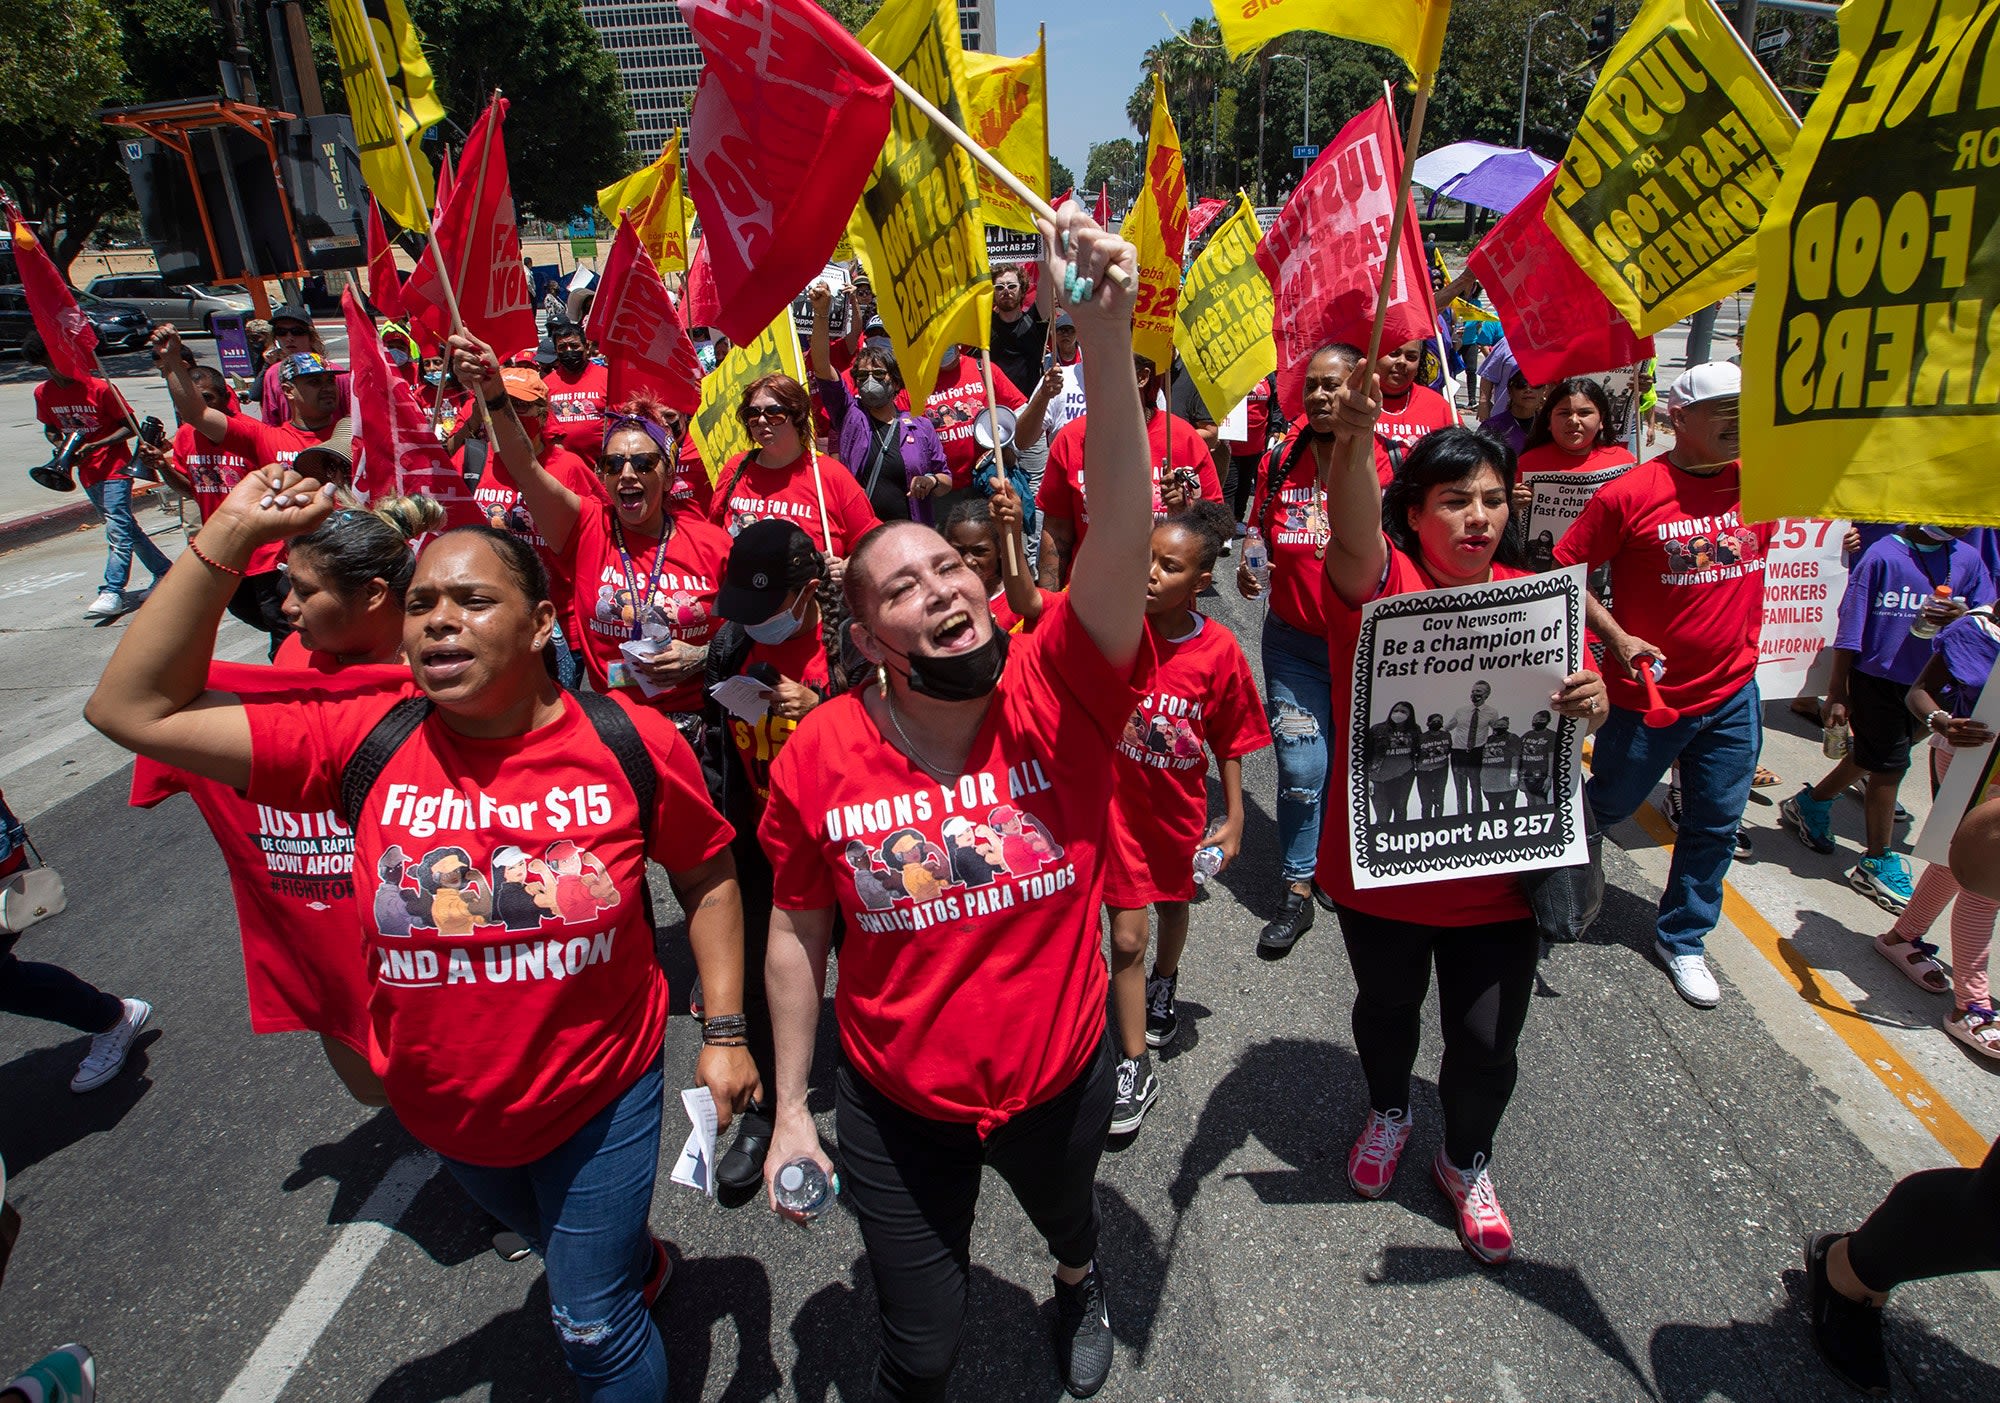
(1527, 50)
(1305, 126)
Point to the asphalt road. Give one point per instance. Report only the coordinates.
(221, 1222)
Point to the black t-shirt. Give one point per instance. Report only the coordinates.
(1017, 348)
(890, 495)
(1187, 400)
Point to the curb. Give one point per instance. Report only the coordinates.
(57, 521)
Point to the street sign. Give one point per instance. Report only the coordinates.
(1772, 40)
(583, 248)
(1304, 153)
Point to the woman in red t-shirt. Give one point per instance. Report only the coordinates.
(517, 1008)
(1571, 434)
(1200, 699)
(1445, 518)
(956, 815)
(785, 476)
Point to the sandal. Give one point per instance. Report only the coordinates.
(1917, 959)
(1764, 778)
(1976, 1027)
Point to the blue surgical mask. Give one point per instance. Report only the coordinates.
(779, 626)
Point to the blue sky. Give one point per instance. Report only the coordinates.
(1094, 52)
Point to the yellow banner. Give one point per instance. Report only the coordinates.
(1871, 374)
(917, 227)
(658, 207)
(718, 430)
(1007, 99)
(1223, 330)
(377, 128)
(1157, 228)
(1413, 30)
(1675, 159)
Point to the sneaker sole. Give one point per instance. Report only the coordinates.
(1132, 1121)
(1157, 1040)
(1477, 1254)
(1893, 905)
(1689, 999)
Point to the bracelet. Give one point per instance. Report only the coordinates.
(726, 1023)
(1930, 719)
(208, 560)
(739, 1040)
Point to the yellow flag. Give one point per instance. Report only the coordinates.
(717, 430)
(1413, 30)
(1223, 330)
(1871, 383)
(1007, 99)
(917, 227)
(1675, 159)
(412, 91)
(656, 203)
(1157, 227)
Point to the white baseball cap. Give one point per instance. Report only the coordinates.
(1715, 379)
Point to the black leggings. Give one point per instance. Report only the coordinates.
(1938, 1223)
(754, 879)
(913, 1183)
(1485, 976)
(53, 993)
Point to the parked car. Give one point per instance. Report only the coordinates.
(119, 327)
(184, 306)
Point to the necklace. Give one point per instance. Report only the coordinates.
(911, 746)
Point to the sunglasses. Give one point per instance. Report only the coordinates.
(614, 464)
(765, 412)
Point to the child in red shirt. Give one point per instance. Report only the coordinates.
(1200, 697)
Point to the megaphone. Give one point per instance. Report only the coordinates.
(59, 473)
(982, 427)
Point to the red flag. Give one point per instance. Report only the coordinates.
(1202, 215)
(1324, 255)
(385, 283)
(1558, 322)
(633, 322)
(788, 119)
(1103, 215)
(1059, 201)
(445, 180)
(699, 304)
(396, 452)
(71, 339)
(476, 238)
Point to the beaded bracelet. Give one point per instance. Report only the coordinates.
(207, 560)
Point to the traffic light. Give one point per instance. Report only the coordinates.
(1603, 33)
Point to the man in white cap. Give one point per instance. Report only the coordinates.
(1687, 577)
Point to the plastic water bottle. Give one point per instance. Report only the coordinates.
(1927, 622)
(1207, 862)
(803, 1188)
(1257, 558)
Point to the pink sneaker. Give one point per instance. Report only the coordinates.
(1483, 1230)
(662, 1272)
(1371, 1164)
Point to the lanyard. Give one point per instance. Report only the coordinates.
(641, 602)
(880, 457)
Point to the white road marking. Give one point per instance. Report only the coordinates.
(30, 584)
(291, 1339)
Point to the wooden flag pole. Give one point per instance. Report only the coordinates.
(1395, 256)
(999, 454)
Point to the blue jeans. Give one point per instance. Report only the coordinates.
(113, 500)
(1717, 752)
(1299, 703)
(584, 1208)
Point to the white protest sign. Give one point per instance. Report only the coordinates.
(1804, 577)
(1971, 772)
(1559, 499)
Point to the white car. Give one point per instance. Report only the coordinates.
(183, 306)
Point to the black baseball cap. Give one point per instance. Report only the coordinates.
(769, 560)
(291, 312)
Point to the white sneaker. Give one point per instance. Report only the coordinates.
(1692, 979)
(109, 604)
(135, 597)
(106, 1057)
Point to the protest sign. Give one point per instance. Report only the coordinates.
(1156, 226)
(1973, 772)
(1223, 327)
(1488, 781)
(1559, 499)
(651, 199)
(917, 227)
(1804, 577)
(1676, 157)
(1869, 376)
(717, 431)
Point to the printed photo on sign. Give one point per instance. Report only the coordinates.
(1804, 576)
(1457, 764)
(1559, 500)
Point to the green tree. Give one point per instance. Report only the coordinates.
(59, 61)
(1115, 163)
(1060, 178)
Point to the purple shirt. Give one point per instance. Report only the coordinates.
(1886, 589)
(922, 450)
(1508, 430)
(1969, 647)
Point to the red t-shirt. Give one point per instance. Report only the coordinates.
(956, 400)
(1687, 575)
(689, 490)
(576, 408)
(1461, 901)
(503, 507)
(264, 444)
(790, 492)
(1004, 617)
(514, 988)
(972, 985)
(800, 658)
(1171, 442)
(92, 408)
(1200, 697)
(214, 470)
(1549, 458)
(609, 607)
(1297, 531)
(1423, 410)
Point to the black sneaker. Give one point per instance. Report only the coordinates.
(1083, 1335)
(1162, 1023)
(1294, 919)
(1742, 849)
(742, 1167)
(1847, 1333)
(1138, 1089)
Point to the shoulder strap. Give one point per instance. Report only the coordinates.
(377, 748)
(622, 739)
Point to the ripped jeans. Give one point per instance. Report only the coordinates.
(584, 1208)
(1298, 701)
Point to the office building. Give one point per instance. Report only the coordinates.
(975, 25)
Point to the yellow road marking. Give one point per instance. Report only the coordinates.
(1904, 1081)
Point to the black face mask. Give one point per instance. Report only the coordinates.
(570, 360)
(957, 677)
